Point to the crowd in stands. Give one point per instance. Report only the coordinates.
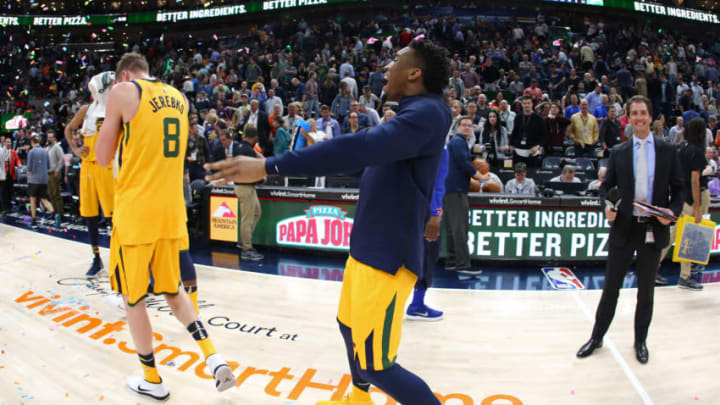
(546, 104)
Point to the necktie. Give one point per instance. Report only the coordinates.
(328, 130)
(641, 173)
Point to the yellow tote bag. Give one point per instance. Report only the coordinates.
(693, 241)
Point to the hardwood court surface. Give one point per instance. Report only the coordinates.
(62, 343)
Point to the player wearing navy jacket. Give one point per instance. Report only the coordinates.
(418, 310)
(401, 158)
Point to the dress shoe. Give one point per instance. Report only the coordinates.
(660, 280)
(588, 348)
(641, 352)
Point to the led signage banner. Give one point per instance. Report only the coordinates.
(163, 16)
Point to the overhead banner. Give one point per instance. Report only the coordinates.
(163, 16)
(656, 8)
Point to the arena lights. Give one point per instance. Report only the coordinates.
(163, 16)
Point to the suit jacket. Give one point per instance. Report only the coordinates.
(11, 164)
(668, 189)
(669, 92)
(218, 151)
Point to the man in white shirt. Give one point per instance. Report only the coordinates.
(697, 92)
(347, 67)
(507, 116)
(327, 124)
(272, 100)
(254, 113)
(373, 117)
(352, 84)
(596, 184)
(677, 132)
(680, 89)
(291, 117)
(567, 176)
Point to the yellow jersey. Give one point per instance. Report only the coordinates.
(149, 202)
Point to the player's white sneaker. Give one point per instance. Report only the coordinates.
(224, 378)
(139, 385)
(116, 302)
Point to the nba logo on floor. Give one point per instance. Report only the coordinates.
(561, 278)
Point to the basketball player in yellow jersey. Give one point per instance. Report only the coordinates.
(146, 122)
(96, 182)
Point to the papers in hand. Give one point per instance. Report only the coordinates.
(653, 210)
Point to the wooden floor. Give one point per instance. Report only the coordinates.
(58, 345)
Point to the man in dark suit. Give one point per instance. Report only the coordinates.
(259, 120)
(227, 148)
(654, 91)
(667, 95)
(644, 168)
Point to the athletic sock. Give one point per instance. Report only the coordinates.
(96, 252)
(359, 382)
(92, 224)
(198, 332)
(149, 369)
(418, 298)
(188, 275)
(192, 292)
(360, 394)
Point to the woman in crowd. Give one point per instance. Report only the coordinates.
(281, 140)
(341, 105)
(495, 134)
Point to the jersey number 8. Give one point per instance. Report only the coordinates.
(171, 140)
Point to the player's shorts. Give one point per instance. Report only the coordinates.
(372, 305)
(131, 266)
(37, 190)
(97, 186)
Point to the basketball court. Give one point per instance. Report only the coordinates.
(62, 342)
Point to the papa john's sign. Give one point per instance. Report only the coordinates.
(322, 226)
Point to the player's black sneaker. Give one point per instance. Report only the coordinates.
(95, 269)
